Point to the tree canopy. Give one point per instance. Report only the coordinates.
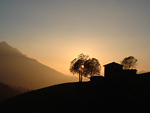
(129, 62)
(85, 66)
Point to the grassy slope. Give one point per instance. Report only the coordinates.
(109, 96)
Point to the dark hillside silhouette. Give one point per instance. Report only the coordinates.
(109, 96)
(128, 92)
(17, 69)
(7, 91)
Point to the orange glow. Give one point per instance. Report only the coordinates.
(82, 66)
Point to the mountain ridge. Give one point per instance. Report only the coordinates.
(6, 49)
(17, 69)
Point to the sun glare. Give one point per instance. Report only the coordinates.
(82, 66)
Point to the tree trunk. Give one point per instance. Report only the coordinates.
(79, 77)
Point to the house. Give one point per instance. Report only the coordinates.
(115, 70)
(112, 70)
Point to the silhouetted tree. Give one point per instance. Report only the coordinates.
(129, 62)
(77, 65)
(84, 66)
(92, 67)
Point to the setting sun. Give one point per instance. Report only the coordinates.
(82, 66)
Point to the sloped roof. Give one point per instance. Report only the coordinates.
(113, 63)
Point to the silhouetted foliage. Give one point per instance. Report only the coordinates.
(75, 66)
(84, 66)
(129, 62)
(92, 67)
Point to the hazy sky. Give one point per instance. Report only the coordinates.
(56, 31)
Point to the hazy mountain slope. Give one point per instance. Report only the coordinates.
(107, 97)
(7, 50)
(6, 91)
(19, 70)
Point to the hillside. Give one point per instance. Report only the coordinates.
(109, 96)
(17, 69)
(7, 91)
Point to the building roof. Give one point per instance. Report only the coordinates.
(113, 63)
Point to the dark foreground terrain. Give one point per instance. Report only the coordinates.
(7, 91)
(123, 95)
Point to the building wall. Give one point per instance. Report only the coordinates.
(113, 71)
(129, 72)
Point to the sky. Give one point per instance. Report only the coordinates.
(54, 32)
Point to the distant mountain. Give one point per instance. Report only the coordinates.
(142, 71)
(17, 69)
(7, 50)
